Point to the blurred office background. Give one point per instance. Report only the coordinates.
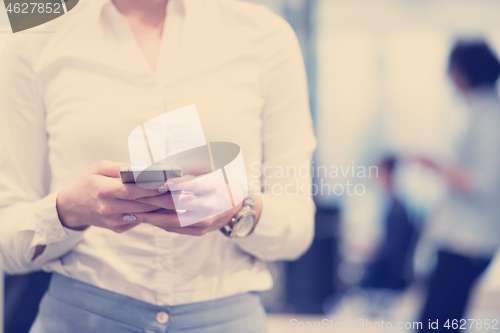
(378, 85)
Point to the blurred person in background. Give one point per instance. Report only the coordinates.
(466, 226)
(390, 270)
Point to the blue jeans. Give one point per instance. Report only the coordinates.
(71, 306)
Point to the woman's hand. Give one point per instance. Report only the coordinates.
(204, 206)
(99, 198)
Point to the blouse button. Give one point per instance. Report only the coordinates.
(162, 317)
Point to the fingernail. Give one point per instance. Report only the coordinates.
(171, 185)
(163, 188)
(130, 218)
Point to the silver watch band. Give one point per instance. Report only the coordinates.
(249, 205)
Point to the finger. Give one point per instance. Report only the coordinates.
(134, 191)
(125, 227)
(193, 202)
(204, 203)
(113, 187)
(189, 218)
(196, 169)
(172, 183)
(188, 231)
(183, 201)
(165, 201)
(108, 168)
(120, 206)
(163, 218)
(198, 185)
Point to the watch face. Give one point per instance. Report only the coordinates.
(244, 225)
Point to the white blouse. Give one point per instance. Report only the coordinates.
(72, 90)
(469, 222)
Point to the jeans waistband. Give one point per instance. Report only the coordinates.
(135, 312)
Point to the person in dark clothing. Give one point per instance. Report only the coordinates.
(391, 268)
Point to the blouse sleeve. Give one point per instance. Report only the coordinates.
(28, 216)
(286, 226)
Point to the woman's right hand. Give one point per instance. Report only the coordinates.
(99, 198)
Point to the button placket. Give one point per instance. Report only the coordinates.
(164, 276)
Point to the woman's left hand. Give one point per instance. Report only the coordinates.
(202, 204)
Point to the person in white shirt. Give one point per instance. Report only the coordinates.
(72, 92)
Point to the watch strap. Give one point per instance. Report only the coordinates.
(249, 202)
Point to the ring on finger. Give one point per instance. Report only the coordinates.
(130, 218)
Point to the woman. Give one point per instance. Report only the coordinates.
(467, 225)
(69, 99)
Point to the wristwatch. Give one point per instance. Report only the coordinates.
(243, 223)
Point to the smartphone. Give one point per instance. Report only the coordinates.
(151, 174)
